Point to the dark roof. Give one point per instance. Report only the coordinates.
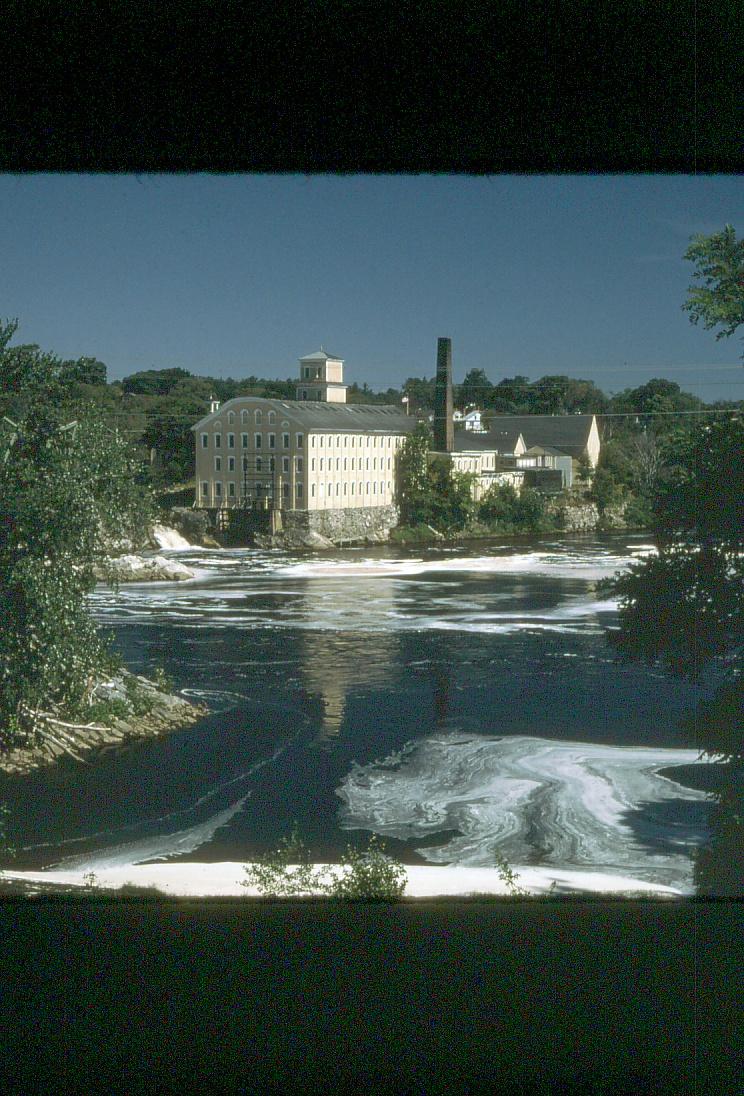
(319, 415)
(569, 433)
(468, 441)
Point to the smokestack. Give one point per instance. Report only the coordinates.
(444, 431)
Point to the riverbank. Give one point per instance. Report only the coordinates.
(197, 880)
(145, 711)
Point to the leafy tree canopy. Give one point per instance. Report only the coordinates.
(719, 266)
(66, 483)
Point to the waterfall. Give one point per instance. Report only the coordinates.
(165, 537)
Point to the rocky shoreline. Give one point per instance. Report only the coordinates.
(151, 712)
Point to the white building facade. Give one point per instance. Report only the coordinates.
(304, 454)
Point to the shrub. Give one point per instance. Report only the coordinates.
(369, 875)
(365, 875)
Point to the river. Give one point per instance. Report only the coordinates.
(461, 701)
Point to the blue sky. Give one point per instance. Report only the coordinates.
(233, 275)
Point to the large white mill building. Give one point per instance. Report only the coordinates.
(313, 453)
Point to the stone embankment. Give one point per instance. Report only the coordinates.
(332, 528)
(146, 711)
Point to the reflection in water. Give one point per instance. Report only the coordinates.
(331, 666)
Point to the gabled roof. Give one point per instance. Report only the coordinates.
(319, 415)
(569, 433)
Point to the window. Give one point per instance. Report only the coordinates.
(245, 464)
(257, 417)
(321, 464)
(337, 486)
(367, 491)
(231, 416)
(258, 440)
(374, 487)
(230, 441)
(218, 441)
(231, 464)
(259, 464)
(218, 464)
(321, 441)
(299, 440)
(312, 464)
(272, 464)
(231, 490)
(298, 490)
(285, 441)
(218, 490)
(285, 490)
(353, 441)
(304, 393)
(244, 441)
(285, 464)
(344, 488)
(205, 441)
(345, 461)
(346, 438)
(244, 417)
(307, 373)
(338, 464)
(205, 488)
(272, 417)
(272, 441)
(352, 488)
(299, 464)
(338, 440)
(312, 489)
(312, 440)
(368, 464)
(388, 464)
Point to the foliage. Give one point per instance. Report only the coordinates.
(719, 263)
(66, 483)
(508, 876)
(685, 607)
(505, 510)
(6, 851)
(368, 874)
(605, 490)
(430, 491)
(474, 390)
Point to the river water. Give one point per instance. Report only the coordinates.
(461, 701)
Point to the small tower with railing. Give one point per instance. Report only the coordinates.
(321, 378)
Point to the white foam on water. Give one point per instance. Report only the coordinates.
(168, 538)
(556, 564)
(557, 805)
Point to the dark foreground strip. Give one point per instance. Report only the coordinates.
(436, 996)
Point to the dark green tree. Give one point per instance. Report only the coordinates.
(67, 483)
(684, 608)
(474, 390)
(719, 266)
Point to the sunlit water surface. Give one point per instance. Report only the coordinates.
(461, 701)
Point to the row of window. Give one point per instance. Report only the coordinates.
(258, 441)
(355, 464)
(299, 441)
(258, 464)
(245, 417)
(323, 489)
(343, 439)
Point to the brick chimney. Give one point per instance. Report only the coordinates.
(444, 431)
